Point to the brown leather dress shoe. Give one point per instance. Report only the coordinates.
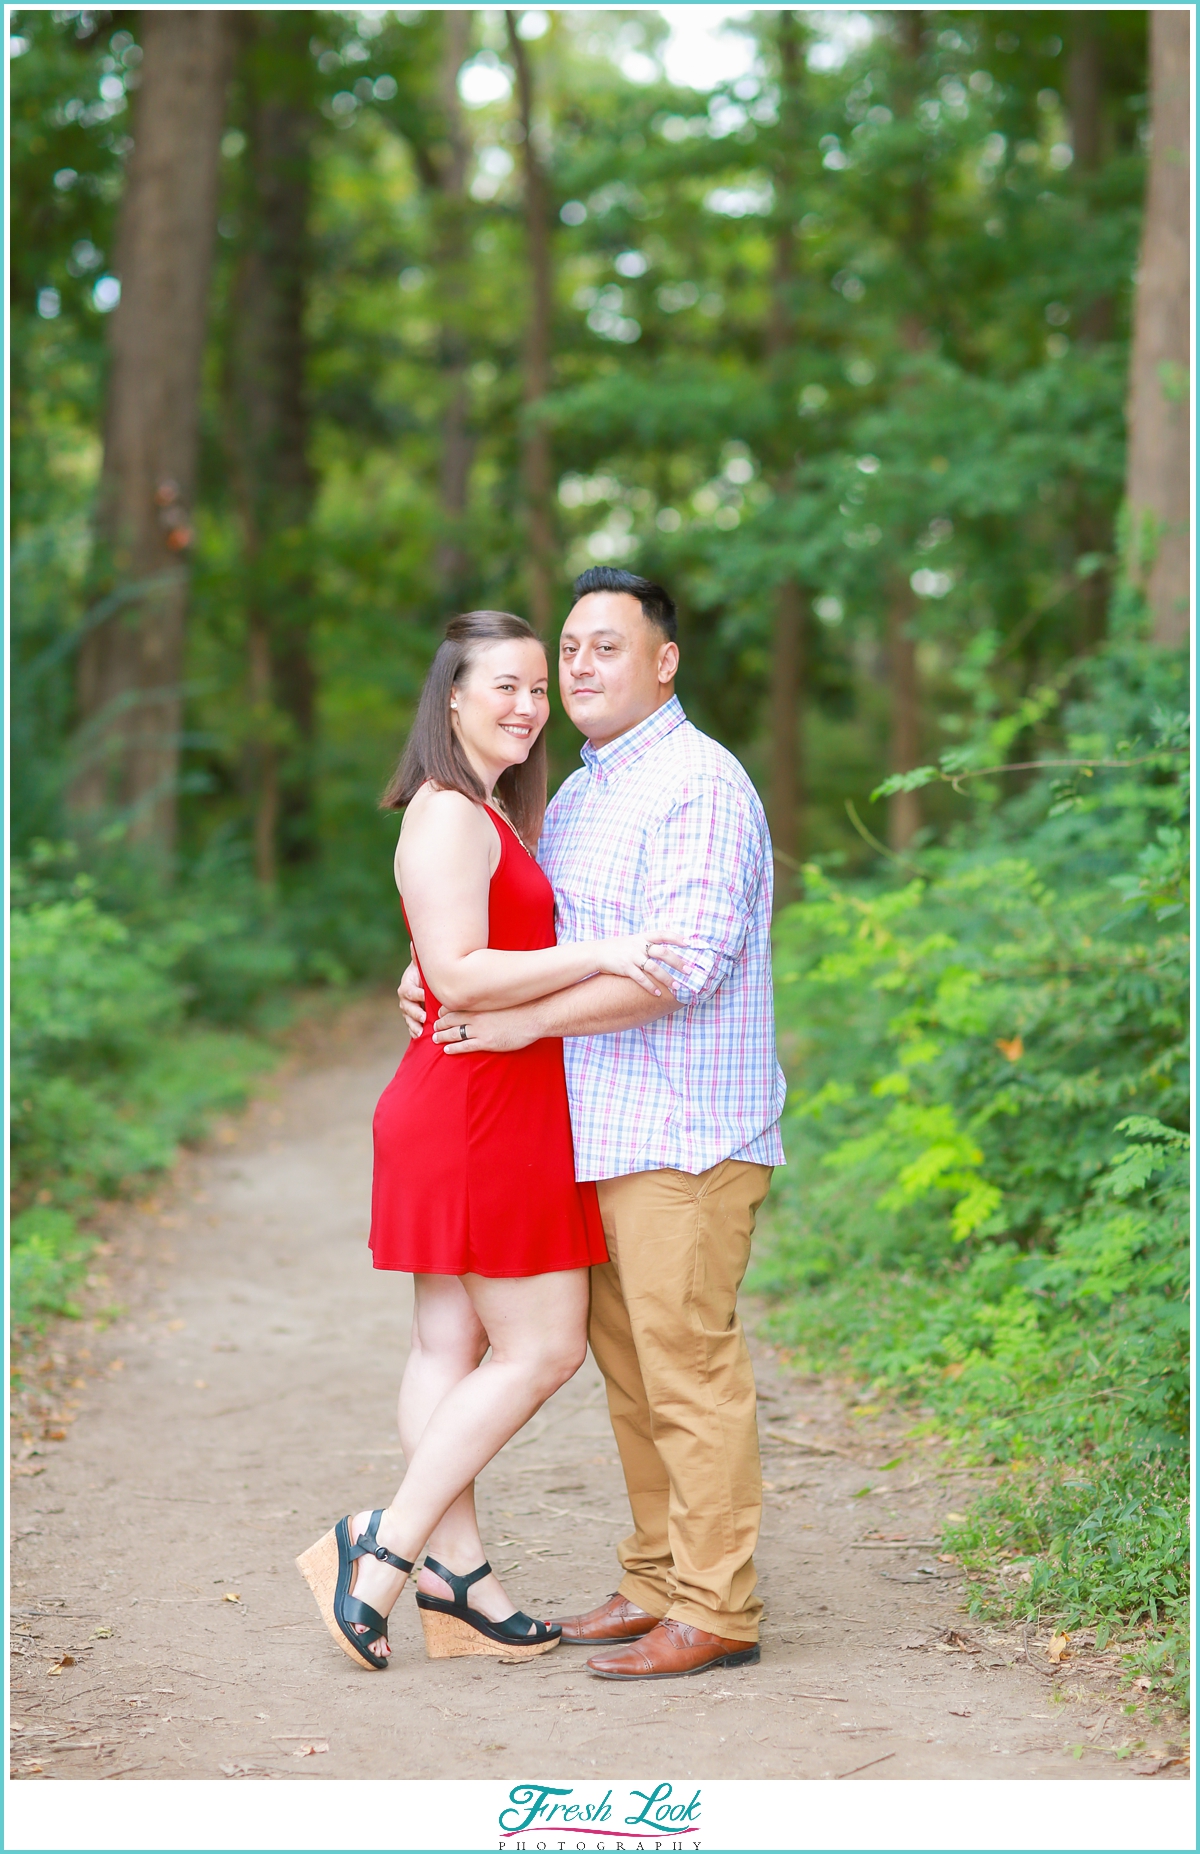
(615, 1620)
(671, 1649)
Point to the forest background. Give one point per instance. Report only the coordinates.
(866, 331)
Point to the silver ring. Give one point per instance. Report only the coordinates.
(462, 1033)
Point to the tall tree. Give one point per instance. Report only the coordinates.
(451, 259)
(1086, 107)
(130, 666)
(1158, 480)
(788, 634)
(268, 424)
(904, 808)
(537, 460)
(431, 118)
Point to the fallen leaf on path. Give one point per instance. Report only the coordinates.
(231, 1596)
(1142, 1685)
(954, 1639)
(947, 1557)
(1057, 1651)
(56, 1667)
(28, 1467)
(956, 1519)
(960, 1712)
(102, 1635)
(310, 1750)
(54, 1435)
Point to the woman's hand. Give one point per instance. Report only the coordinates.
(411, 994)
(643, 957)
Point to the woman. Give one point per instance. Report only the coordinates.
(474, 1188)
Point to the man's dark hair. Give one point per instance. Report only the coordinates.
(656, 602)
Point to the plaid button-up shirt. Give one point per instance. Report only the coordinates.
(662, 827)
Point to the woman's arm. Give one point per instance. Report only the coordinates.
(444, 865)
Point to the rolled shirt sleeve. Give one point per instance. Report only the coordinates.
(704, 872)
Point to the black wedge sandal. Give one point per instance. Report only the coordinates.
(327, 1569)
(455, 1628)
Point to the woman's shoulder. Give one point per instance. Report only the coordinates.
(443, 807)
(443, 828)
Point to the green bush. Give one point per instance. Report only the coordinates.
(48, 1257)
(985, 1209)
(109, 1072)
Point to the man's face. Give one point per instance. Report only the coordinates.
(614, 666)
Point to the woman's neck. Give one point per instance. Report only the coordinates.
(485, 771)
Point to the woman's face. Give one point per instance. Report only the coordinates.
(502, 704)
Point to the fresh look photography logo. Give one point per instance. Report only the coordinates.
(549, 1815)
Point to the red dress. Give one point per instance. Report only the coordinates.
(474, 1167)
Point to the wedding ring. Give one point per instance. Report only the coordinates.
(462, 1033)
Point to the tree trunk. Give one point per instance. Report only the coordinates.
(264, 754)
(1085, 92)
(787, 736)
(788, 639)
(904, 808)
(130, 668)
(269, 431)
(1158, 475)
(451, 263)
(1085, 103)
(537, 459)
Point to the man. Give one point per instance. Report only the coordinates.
(675, 1106)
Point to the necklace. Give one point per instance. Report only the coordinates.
(494, 804)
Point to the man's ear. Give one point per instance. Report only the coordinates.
(668, 663)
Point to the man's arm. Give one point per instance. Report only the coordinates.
(598, 1007)
(703, 864)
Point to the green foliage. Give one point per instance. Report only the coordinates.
(986, 1206)
(945, 417)
(48, 1258)
(110, 1071)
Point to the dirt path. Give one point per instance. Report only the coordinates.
(245, 1399)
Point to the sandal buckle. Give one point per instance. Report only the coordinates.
(381, 1551)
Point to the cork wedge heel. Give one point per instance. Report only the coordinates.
(328, 1569)
(453, 1629)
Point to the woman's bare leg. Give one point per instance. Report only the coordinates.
(536, 1327)
(448, 1343)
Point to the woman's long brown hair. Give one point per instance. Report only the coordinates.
(432, 750)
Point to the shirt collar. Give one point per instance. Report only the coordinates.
(626, 749)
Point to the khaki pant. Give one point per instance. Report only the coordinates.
(665, 1333)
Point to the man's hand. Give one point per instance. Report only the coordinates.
(411, 994)
(515, 1028)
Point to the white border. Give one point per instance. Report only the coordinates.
(1113, 1814)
